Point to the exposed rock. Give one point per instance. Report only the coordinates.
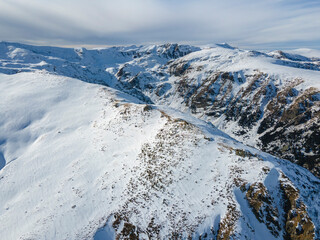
(298, 224)
(263, 207)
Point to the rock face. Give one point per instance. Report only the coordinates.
(298, 224)
(140, 154)
(263, 207)
(279, 119)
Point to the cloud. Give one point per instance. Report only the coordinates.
(283, 23)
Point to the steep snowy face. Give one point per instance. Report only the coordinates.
(85, 161)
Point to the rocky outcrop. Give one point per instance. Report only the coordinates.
(285, 119)
(298, 225)
(283, 115)
(263, 207)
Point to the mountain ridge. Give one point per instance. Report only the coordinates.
(179, 75)
(127, 157)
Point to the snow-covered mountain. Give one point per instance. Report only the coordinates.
(267, 100)
(124, 143)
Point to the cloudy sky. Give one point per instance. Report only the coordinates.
(243, 23)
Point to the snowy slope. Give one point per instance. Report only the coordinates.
(306, 52)
(78, 156)
(98, 144)
(268, 101)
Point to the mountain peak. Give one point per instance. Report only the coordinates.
(225, 45)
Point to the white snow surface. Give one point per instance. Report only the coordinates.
(307, 52)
